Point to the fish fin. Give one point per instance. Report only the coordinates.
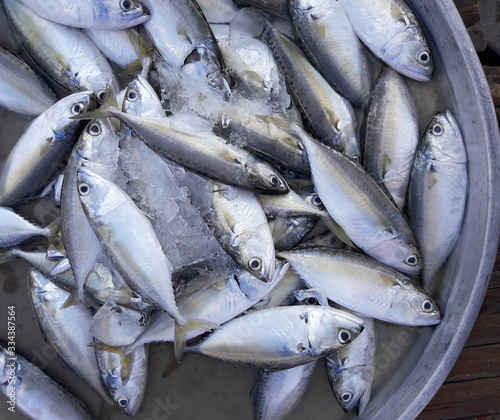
(62, 266)
(107, 110)
(127, 365)
(335, 228)
(74, 299)
(363, 400)
(181, 332)
(132, 68)
(70, 301)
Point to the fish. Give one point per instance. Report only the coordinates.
(250, 62)
(355, 201)
(183, 37)
(108, 15)
(240, 224)
(66, 54)
(328, 115)
(277, 392)
(15, 229)
(328, 39)
(66, 330)
(97, 147)
(438, 191)
(391, 31)
(391, 134)
(175, 138)
(125, 376)
(118, 325)
(138, 257)
(363, 285)
(351, 370)
(280, 338)
(21, 90)
(43, 148)
(35, 394)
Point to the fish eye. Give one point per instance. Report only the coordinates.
(437, 129)
(77, 108)
(132, 95)
(346, 397)
(84, 189)
(127, 5)
(101, 95)
(94, 129)
(122, 402)
(254, 264)
(411, 260)
(142, 320)
(316, 201)
(274, 180)
(344, 336)
(426, 306)
(311, 301)
(424, 57)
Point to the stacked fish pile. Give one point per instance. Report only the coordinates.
(280, 138)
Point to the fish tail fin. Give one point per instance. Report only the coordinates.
(78, 297)
(53, 228)
(107, 110)
(181, 332)
(62, 266)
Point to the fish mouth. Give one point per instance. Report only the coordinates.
(423, 75)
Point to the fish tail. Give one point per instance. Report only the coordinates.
(62, 266)
(181, 332)
(52, 229)
(107, 110)
(78, 297)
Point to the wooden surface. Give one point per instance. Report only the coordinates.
(472, 389)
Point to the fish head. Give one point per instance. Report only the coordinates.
(266, 179)
(253, 287)
(97, 195)
(442, 140)
(408, 53)
(401, 253)
(415, 305)
(141, 99)
(255, 251)
(77, 104)
(96, 141)
(125, 377)
(330, 329)
(42, 289)
(124, 13)
(351, 385)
